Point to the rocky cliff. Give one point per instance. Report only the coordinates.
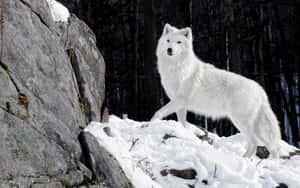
(51, 86)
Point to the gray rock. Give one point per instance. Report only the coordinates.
(98, 186)
(102, 163)
(50, 185)
(4, 185)
(41, 111)
(93, 186)
(41, 10)
(74, 177)
(87, 63)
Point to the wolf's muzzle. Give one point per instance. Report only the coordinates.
(170, 51)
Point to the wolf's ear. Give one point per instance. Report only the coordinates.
(168, 29)
(187, 32)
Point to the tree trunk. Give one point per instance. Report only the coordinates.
(151, 89)
(135, 59)
(233, 39)
(289, 76)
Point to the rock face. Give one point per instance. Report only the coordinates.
(104, 164)
(87, 64)
(51, 85)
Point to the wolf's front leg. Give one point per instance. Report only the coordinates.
(251, 146)
(181, 116)
(168, 109)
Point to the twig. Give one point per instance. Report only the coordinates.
(146, 168)
(67, 37)
(3, 8)
(259, 162)
(141, 160)
(215, 171)
(133, 143)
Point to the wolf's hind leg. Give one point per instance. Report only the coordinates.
(247, 131)
(272, 146)
(181, 116)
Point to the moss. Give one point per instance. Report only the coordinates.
(129, 185)
(4, 66)
(23, 100)
(83, 107)
(51, 176)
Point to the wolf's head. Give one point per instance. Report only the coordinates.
(175, 43)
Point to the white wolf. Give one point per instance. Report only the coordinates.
(202, 88)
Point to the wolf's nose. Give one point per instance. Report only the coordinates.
(169, 50)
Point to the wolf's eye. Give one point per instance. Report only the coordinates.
(168, 40)
(178, 42)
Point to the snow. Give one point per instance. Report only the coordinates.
(58, 11)
(143, 153)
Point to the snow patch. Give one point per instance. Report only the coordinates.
(59, 12)
(144, 150)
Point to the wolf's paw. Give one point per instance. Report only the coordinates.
(251, 149)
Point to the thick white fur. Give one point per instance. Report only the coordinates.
(202, 88)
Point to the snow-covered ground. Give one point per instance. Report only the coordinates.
(148, 153)
(58, 11)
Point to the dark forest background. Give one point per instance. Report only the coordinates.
(255, 38)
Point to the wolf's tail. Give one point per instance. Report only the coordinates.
(269, 130)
